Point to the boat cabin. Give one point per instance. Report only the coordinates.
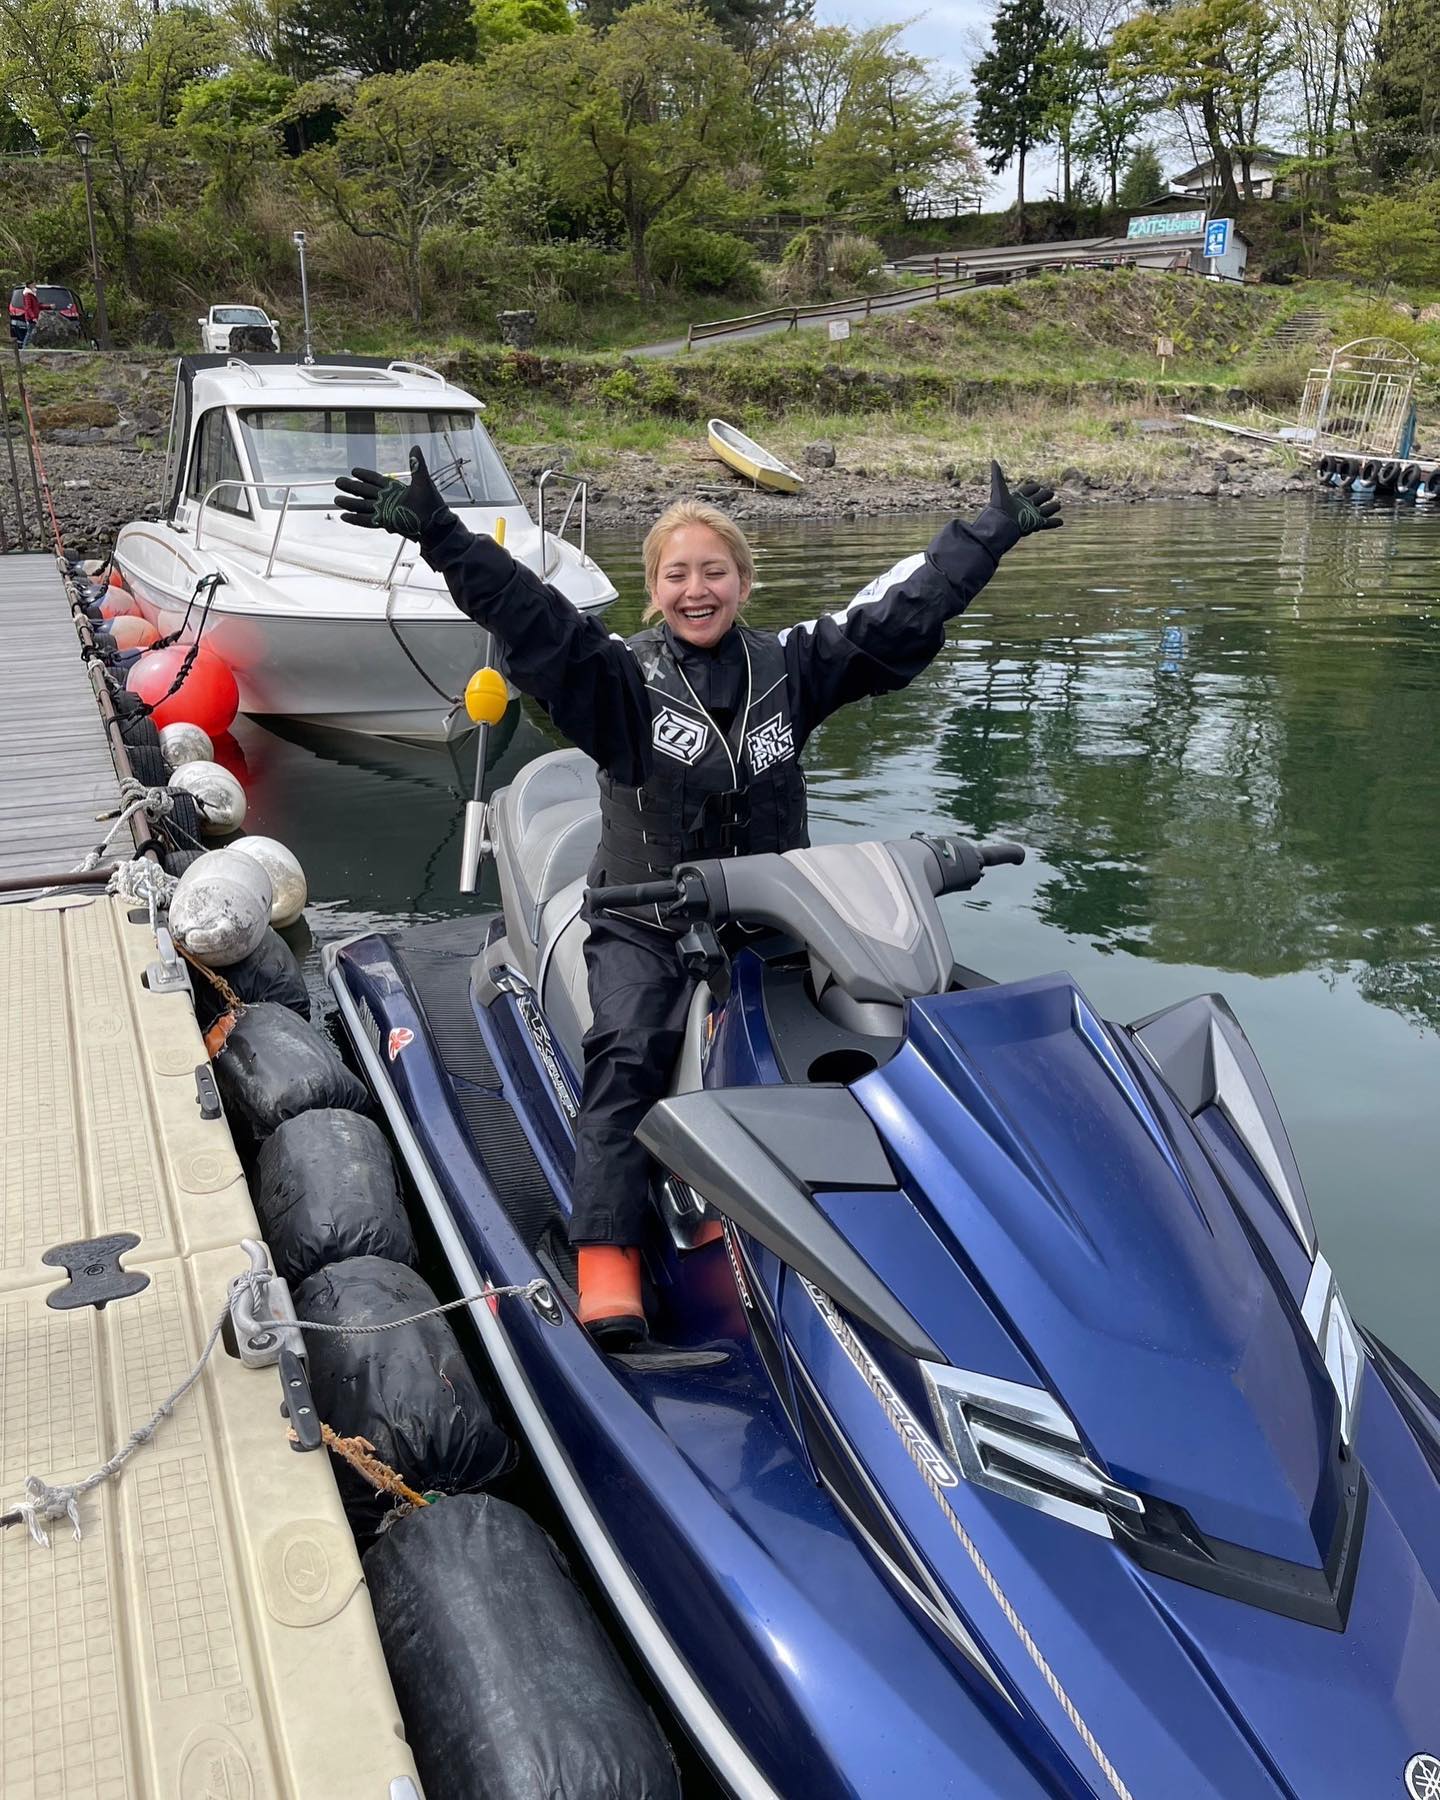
(259, 442)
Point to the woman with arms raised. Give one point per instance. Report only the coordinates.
(696, 724)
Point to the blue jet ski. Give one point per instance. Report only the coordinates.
(1011, 1436)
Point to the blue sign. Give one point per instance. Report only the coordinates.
(1217, 237)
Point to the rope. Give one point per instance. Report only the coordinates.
(216, 980)
(359, 1452)
(46, 1503)
(134, 797)
(903, 1429)
(143, 883)
(213, 580)
(40, 465)
(216, 580)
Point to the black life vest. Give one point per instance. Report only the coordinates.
(709, 793)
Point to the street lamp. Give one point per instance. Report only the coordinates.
(84, 143)
(298, 238)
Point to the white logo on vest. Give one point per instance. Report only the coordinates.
(769, 743)
(675, 735)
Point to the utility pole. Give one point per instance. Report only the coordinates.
(84, 143)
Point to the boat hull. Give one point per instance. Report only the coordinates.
(345, 670)
(747, 458)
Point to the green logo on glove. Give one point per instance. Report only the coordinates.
(393, 514)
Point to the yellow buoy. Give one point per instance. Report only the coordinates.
(499, 532)
(486, 696)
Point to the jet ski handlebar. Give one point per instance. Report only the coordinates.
(698, 890)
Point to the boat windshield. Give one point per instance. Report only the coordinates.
(287, 444)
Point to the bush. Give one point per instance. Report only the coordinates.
(700, 261)
(805, 265)
(855, 263)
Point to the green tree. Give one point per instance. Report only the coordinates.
(1068, 67)
(373, 37)
(892, 130)
(118, 70)
(633, 119)
(233, 124)
(1012, 90)
(1401, 103)
(1115, 113)
(1390, 237)
(1144, 178)
(409, 151)
(500, 22)
(1216, 62)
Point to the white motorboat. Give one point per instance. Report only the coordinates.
(321, 622)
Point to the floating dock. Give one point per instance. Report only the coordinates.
(209, 1633)
(56, 770)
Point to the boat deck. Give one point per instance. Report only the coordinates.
(56, 773)
(210, 1633)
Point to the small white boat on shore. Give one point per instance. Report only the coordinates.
(321, 622)
(752, 460)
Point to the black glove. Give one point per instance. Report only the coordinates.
(1032, 506)
(384, 504)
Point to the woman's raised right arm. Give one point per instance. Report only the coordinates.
(585, 679)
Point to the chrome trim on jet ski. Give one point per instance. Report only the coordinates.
(914, 1579)
(904, 1422)
(1328, 1320)
(683, 1691)
(1018, 1441)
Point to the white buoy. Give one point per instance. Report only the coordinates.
(286, 876)
(182, 743)
(220, 910)
(216, 792)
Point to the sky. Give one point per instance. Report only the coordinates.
(949, 33)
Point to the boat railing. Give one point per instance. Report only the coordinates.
(286, 490)
(581, 493)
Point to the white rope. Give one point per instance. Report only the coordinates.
(859, 1357)
(143, 882)
(135, 797)
(46, 1503)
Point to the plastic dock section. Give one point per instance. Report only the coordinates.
(209, 1634)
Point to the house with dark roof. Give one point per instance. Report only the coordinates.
(1201, 182)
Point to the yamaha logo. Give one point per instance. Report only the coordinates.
(675, 735)
(1422, 1777)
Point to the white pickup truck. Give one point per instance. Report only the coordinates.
(220, 321)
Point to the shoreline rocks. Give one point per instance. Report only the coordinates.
(98, 486)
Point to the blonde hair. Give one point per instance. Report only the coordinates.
(694, 512)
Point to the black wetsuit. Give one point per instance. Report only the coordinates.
(592, 686)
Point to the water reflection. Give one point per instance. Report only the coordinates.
(1216, 729)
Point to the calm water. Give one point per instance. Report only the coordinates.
(1218, 731)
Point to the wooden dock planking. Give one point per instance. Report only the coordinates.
(56, 771)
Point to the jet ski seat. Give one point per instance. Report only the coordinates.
(547, 824)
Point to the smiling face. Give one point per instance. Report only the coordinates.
(698, 587)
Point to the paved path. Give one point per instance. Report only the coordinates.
(853, 310)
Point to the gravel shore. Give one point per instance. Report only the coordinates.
(97, 488)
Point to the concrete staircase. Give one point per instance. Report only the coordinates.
(1293, 333)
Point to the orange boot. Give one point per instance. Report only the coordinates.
(610, 1305)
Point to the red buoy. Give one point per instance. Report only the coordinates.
(120, 603)
(117, 580)
(131, 632)
(208, 696)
